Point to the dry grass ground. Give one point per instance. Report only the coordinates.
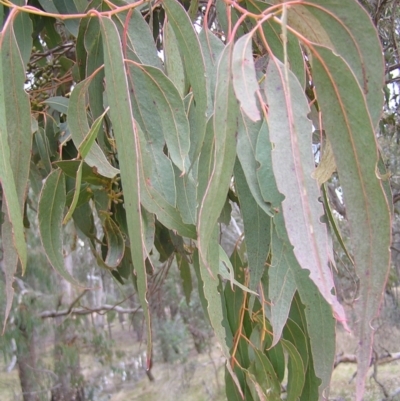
(200, 377)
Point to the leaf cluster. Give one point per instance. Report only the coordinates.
(153, 119)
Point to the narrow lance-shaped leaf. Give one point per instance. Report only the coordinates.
(162, 95)
(348, 31)
(257, 230)
(154, 202)
(79, 128)
(296, 369)
(161, 174)
(194, 67)
(128, 143)
(15, 154)
(282, 284)
(293, 164)
(350, 130)
(50, 216)
(244, 76)
(247, 139)
(84, 149)
(225, 128)
(173, 60)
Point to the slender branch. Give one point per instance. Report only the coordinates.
(382, 360)
(85, 311)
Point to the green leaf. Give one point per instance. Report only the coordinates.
(282, 284)
(58, 103)
(225, 127)
(68, 7)
(191, 53)
(137, 37)
(22, 26)
(161, 96)
(154, 202)
(128, 143)
(244, 76)
(293, 163)
(332, 222)
(296, 376)
(262, 378)
(257, 230)
(15, 154)
(79, 128)
(212, 48)
(226, 271)
(348, 31)
(161, 174)
(76, 194)
(89, 174)
(295, 334)
(42, 145)
(50, 215)
(265, 174)
(88, 141)
(247, 140)
(173, 60)
(272, 32)
(186, 187)
(351, 132)
(94, 59)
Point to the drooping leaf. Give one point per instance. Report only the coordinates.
(161, 173)
(50, 216)
(265, 174)
(225, 127)
(296, 376)
(262, 378)
(350, 130)
(348, 32)
(173, 61)
(211, 47)
(128, 143)
(194, 67)
(77, 191)
(186, 202)
(292, 159)
(43, 149)
(154, 202)
(282, 284)
(253, 169)
(160, 94)
(15, 153)
(257, 230)
(244, 76)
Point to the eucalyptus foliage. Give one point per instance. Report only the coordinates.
(154, 117)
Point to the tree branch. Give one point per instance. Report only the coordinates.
(85, 311)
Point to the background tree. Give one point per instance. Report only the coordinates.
(141, 124)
